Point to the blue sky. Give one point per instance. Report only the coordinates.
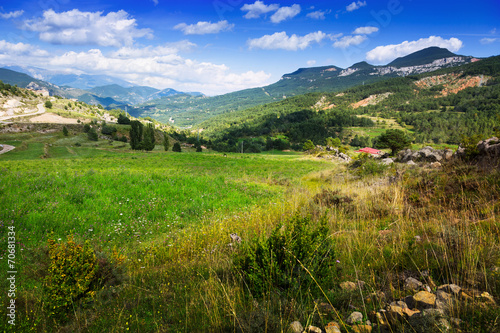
(220, 46)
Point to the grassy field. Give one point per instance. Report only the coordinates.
(157, 226)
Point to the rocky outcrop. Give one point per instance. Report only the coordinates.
(426, 154)
(486, 152)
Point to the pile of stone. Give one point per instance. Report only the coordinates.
(426, 154)
(423, 310)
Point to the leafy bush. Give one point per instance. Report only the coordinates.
(86, 128)
(365, 165)
(92, 135)
(48, 104)
(279, 261)
(71, 273)
(308, 145)
(108, 130)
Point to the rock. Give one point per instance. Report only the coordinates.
(348, 285)
(296, 327)
(401, 304)
(410, 162)
(424, 300)
(362, 329)
(444, 301)
(387, 161)
(314, 329)
(412, 284)
(394, 314)
(355, 317)
(438, 313)
(436, 165)
(450, 288)
(448, 154)
(332, 327)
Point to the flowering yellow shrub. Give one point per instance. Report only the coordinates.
(71, 274)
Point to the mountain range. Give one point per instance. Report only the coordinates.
(186, 109)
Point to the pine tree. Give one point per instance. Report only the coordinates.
(166, 143)
(136, 134)
(65, 131)
(149, 138)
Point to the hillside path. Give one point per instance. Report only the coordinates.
(41, 109)
(6, 148)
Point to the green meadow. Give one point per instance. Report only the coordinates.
(112, 240)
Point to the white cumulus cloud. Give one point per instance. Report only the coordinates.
(202, 28)
(384, 54)
(355, 5)
(347, 41)
(365, 30)
(9, 15)
(285, 13)
(280, 40)
(87, 28)
(258, 8)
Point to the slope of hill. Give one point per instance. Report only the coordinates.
(192, 111)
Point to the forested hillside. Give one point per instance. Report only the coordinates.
(438, 107)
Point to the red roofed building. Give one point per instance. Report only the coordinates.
(369, 151)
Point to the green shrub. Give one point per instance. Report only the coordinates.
(108, 130)
(48, 104)
(71, 273)
(278, 262)
(177, 147)
(365, 165)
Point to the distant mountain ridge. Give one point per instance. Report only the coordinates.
(86, 88)
(191, 108)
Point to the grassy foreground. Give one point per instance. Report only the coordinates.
(158, 226)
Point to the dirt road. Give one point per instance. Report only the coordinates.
(41, 109)
(6, 148)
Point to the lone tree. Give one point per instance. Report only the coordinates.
(136, 134)
(394, 139)
(65, 131)
(177, 147)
